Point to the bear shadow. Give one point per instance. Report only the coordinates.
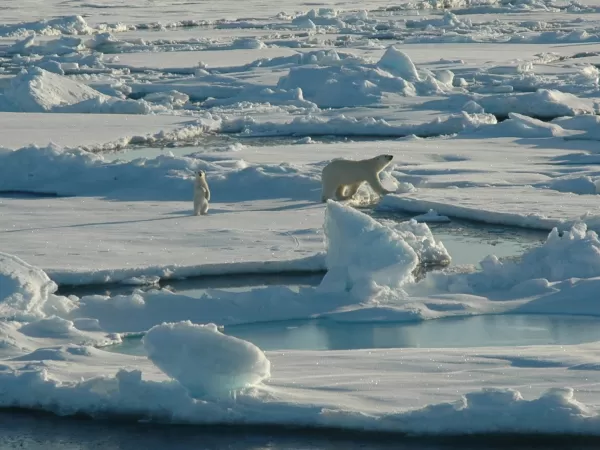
(190, 212)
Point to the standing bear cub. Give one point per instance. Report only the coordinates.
(341, 178)
(201, 194)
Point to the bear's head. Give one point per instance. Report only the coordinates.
(200, 174)
(382, 161)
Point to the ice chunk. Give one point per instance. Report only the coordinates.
(23, 288)
(361, 251)
(203, 360)
(399, 64)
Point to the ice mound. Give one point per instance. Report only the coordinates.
(518, 125)
(24, 289)
(37, 90)
(203, 360)
(449, 21)
(323, 17)
(543, 104)
(49, 327)
(362, 253)
(583, 185)
(399, 64)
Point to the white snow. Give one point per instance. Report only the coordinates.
(108, 108)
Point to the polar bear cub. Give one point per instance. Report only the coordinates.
(341, 178)
(201, 194)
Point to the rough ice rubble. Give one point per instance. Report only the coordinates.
(336, 86)
(420, 238)
(574, 254)
(205, 361)
(368, 126)
(69, 25)
(37, 90)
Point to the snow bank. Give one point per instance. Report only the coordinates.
(363, 254)
(37, 90)
(205, 361)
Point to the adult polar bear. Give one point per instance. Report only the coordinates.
(342, 178)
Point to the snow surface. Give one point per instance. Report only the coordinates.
(107, 109)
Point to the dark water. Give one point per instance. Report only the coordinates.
(475, 331)
(30, 431)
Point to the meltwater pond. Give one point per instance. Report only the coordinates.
(474, 331)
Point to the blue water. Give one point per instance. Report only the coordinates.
(474, 331)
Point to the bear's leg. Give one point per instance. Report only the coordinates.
(204, 208)
(351, 190)
(339, 192)
(377, 186)
(196, 207)
(327, 192)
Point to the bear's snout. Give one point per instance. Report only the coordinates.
(389, 157)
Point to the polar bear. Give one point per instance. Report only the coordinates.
(201, 194)
(341, 178)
